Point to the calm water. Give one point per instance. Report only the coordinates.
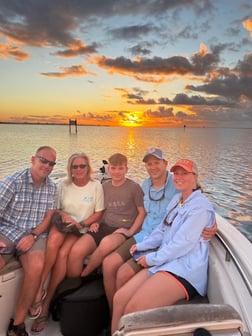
(224, 157)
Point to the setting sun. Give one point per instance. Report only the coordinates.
(131, 120)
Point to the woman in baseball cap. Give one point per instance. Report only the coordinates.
(177, 268)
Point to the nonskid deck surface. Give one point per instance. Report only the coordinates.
(52, 329)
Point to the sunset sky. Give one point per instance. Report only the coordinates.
(164, 63)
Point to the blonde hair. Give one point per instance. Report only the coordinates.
(70, 162)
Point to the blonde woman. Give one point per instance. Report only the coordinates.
(80, 206)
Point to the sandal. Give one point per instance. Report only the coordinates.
(36, 307)
(39, 324)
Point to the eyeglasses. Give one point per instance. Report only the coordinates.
(81, 166)
(45, 161)
(156, 199)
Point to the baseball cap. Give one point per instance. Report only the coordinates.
(154, 152)
(188, 165)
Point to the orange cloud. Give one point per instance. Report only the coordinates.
(247, 24)
(7, 50)
(76, 48)
(73, 71)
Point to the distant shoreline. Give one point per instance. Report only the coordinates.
(66, 124)
(46, 124)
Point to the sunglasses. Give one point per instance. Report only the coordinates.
(45, 161)
(169, 223)
(156, 199)
(81, 166)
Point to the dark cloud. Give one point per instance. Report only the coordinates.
(179, 99)
(164, 101)
(183, 99)
(97, 116)
(188, 33)
(47, 23)
(131, 32)
(152, 66)
(161, 112)
(200, 63)
(143, 48)
(244, 67)
(233, 83)
(203, 61)
(232, 87)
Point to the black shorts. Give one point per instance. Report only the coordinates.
(104, 230)
(190, 291)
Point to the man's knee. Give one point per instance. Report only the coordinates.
(33, 262)
(112, 262)
(109, 243)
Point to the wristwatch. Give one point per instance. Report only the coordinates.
(35, 236)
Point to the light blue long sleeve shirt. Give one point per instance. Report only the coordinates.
(180, 247)
(155, 208)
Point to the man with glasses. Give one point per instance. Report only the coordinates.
(27, 200)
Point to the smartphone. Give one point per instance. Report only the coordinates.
(136, 255)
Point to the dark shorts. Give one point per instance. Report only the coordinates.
(39, 244)
(124, 249)
(190, 291)
(104, 230)
(124, 253)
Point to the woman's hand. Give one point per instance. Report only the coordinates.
(142, 261)
(208, 233)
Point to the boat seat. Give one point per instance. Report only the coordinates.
(11, 266)
(218, 319)
(10, 280)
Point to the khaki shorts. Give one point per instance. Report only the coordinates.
(39, 244)
(124, 252)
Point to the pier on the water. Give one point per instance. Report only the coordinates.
(73, 123)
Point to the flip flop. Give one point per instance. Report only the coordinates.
(39, 324)
(36, 307)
